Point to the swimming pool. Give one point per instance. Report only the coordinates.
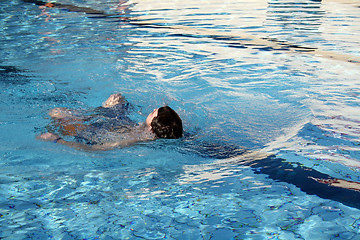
(269, 95)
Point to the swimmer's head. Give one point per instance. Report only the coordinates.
(165, 123)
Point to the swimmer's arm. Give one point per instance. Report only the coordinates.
(50, 137)
(97, 147)
(64, 113)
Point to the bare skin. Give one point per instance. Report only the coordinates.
(142, 132)
(113, 100)
(50, 137)
(62, 113)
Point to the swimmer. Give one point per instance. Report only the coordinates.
(117, 131)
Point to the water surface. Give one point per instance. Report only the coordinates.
(253, 113)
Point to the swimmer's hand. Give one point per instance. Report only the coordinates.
(60, 113)
(48, 137)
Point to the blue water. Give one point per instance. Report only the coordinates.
(260, 123)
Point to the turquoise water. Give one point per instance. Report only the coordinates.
(261, 123)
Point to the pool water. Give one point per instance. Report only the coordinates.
(268, 92)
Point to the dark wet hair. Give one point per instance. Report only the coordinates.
(167, 124)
